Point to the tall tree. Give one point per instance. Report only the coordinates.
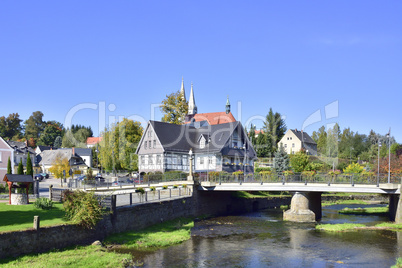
(274, 128)
(20, 169)
(281, 160)
(299, 161)
(29, 165)
(59, 165)
(10, 127)
(34, 126)
(9, 168)
(174, 108)
(118, 145)
(51, 131)
(57, 142)
(263, 145)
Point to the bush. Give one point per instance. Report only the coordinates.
(140, 190)
(164, 187)
(43, 203)
(261, 169)
(82, 208)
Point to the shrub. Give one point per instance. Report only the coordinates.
(184, 185)
(140, 190)
(164, 187)
(43, 203)
(175, 186)
(262, 169)
(82, 208)
(152, 188)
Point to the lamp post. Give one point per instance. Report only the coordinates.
(244, 160)
(114, 171)
(389, 155)
(209, 140)
(378, 163)
(190, 175)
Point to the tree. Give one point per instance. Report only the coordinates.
(174, 108)
(57, 142)
(299, 161)
(34, 127)
(59, 164)
(281, 161)
(274, 128)
(263, 145)
(251, 135)
(9, 169)
(10, 127)
(51, 131)
(29, 165)
(118, 145)
(20, 170)
(353, 168)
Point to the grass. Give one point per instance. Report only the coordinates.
(398, 263)
(343, 227)
(344, 202)
(365, 211)
(20, 217)
(259, 194)
(157, 236)
(89, 256)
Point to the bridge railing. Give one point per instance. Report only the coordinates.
(344, 178)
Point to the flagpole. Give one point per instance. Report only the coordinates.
(389, 155)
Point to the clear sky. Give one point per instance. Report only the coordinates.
(92, 61)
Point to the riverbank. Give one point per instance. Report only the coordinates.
(113, 251)
(343, 227)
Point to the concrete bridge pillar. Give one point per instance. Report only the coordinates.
(393, 207)
(304, 207)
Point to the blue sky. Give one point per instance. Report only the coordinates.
(81, 59)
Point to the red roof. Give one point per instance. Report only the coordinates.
(215, 118)
(93, 140)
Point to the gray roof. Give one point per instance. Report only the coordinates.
(21, 147)
(17, 178)
(303, 136)
(83, 151)
(45, 148)
(182, 138)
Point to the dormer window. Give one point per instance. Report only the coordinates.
(202, 142)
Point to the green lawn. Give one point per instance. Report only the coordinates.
(20, 217)
(90, 256)
(365, 211)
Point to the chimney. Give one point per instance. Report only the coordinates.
(73, 151)
(296, 129)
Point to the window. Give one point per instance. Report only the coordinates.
(154, 143)
(150, 160)
(288, 138)
(0, 157)
(150, 145)
(145, 145)
(201, 160)
(142, 160)
(286, 146)
(293, 145)
(158, 159)
(202, 143)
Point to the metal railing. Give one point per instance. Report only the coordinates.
(344, 178)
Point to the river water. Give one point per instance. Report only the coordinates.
(262, 239)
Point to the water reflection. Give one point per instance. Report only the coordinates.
(262, 239)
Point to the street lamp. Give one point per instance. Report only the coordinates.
(244, 160)
(378, 163)
(209, 140)
(191, 164)
(389, 155)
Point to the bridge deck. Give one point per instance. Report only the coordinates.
(301, 187)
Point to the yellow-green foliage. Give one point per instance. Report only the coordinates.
(353, 168)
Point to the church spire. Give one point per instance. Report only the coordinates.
(182, 91)
(227, 106)
(192, 108)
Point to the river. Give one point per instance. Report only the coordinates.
(262, 239)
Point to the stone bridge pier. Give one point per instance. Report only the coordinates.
(304, 207)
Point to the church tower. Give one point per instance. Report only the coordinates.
(182, 91)
(192, 108)
(227, 106)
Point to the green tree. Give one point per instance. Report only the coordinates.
(118, 145)
(174, 108)
(10, 127)
(9, 168)
(353, 168)
(51, 131)
(281, 161)
(57, 142)
(29, 165)
(274, 128)
(20, 170)
(322, 140)
(299, 161)
(34, 126)
(263, 145)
